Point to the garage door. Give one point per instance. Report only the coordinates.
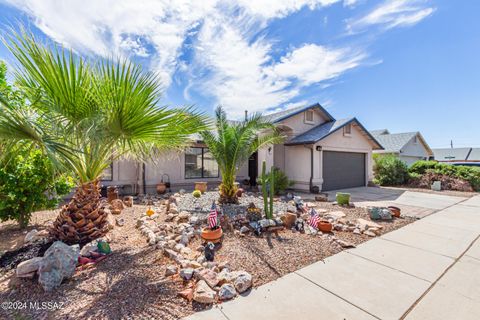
(343, 170)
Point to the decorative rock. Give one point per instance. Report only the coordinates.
(120, 222)
(203, 293)
(28, 268)
(365, 224)
(128, 201)
(226, 292)
(117, 205)
(369, 233)
(200, 248)
(244, 230)
(58, 263)
(357, 231)
(187, 294)
(209, 276)
(335, 215)
(171, 270)
(243, 282)
(345, 244)
(289, 219)
(186, 251)
(186, 273)
(183, 216)
(191, 264)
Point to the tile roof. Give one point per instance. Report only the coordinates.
(451, 154)
(282, 115)
(394, 142)
(324, 130)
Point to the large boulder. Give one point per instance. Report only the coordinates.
(58, 263)
(227, 291)
(203, 293)
(28, 268)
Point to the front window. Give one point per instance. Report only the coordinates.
(309, 116)
(199, 163)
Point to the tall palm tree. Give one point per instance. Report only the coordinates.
(232, 143)
(85, 115)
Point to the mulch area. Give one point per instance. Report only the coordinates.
(130, 283)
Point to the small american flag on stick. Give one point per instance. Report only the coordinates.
(314, 219)
(212, 217)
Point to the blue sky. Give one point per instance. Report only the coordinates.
(405, 65)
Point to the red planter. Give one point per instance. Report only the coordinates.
(325, 226)
(395, 211)
(210, 235)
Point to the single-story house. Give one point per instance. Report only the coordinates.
(408, 147)
(457, 154)
(319, 151)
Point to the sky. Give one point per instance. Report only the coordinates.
(404, 65)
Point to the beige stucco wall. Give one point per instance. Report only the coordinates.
(411, 152)
(298, 125)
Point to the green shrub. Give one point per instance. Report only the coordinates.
(280, 181)
(390, 171)
(29, 183)
(197, 193)
(420, 167)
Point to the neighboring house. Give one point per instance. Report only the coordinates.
(457, 154)
(408, 147)
(318, 151)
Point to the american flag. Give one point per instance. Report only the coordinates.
(212, 217)
(314, 219)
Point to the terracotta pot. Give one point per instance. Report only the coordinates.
(210, 235)
(161, 188)
(201, 186)
(325, 226)
(395, 211)
(240, 192)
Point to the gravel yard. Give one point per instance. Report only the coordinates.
(131, 283)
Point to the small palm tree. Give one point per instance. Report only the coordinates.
(84, 116)
(232, 143)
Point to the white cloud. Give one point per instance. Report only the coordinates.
(288, 106)
(392, 13)
(276, 8)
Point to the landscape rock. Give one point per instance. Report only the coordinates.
(289, 219)
(365, 224)
(244, 230)
(128, 201)
(120, 222)
(171, 270)
(117, 205)
(35, 235)
(28, 268)
(111, 221)
(187, 294)
(58, 263)
(203, 293)
(88, 248)
(369, 233)
(209, 276)
(186, 274)
(226, 292)
(243, 281)
(335, 215)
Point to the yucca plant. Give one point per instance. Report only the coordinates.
(84, 115)
(232, 143)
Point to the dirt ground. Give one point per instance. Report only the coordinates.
(130, 283)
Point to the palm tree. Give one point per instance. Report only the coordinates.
(84, 115)
(232, 143)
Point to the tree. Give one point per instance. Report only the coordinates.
(232, 143)
(84, 115)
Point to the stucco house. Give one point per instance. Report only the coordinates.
(408, 146)
(319, 153)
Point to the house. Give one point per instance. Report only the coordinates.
(408, 147)
(464, 155)
(319, 153)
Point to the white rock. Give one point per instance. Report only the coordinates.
(365, 224)
(186, 273)
(171, 270)
(88, 248)
(58, 263)
(28, 268)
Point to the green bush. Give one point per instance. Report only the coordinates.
(280, 181)
(29, 183)
(390, 171)
(470, 174)
(420, 167)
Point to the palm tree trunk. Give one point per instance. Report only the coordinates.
(228, 191)
(84, 218)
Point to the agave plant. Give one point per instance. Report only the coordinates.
(232, 143)
(84, 115)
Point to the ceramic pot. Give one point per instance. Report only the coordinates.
(395, 211)
(325, 226)
(210, 235)
(161, 188)
(201, 186)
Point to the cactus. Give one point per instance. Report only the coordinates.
(268, 190)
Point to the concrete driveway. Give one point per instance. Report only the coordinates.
(413, 204)
(429, 269)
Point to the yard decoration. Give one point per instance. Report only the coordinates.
(395, 211)
(213, 233)
(232, 144)
(209, 251)
(161, 188)
(150, 212)
(85, 115)
(325, 226)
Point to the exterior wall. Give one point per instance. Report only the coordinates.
(127, 172)
(297, 166)
(298, 125)
(410, 160)
(355, 142)
(416, 150)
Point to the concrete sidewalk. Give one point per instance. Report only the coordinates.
(429, 269)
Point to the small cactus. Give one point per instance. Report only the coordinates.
(268, 190)
(197, 193)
